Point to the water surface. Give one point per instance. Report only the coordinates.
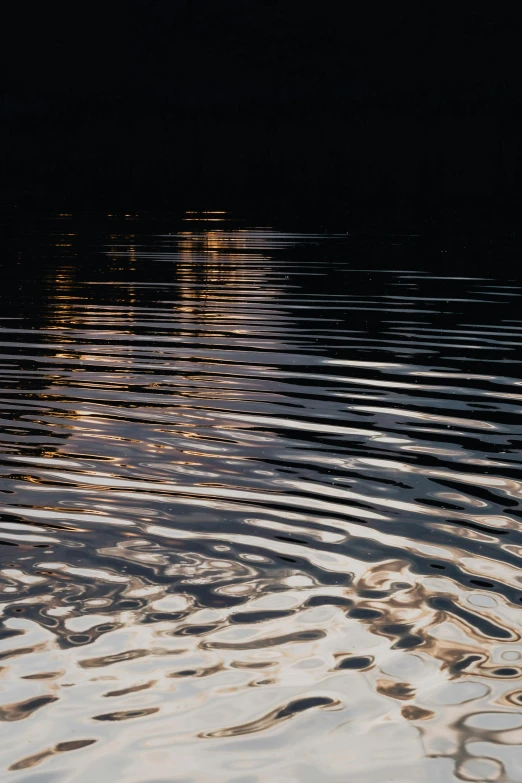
(259, 505)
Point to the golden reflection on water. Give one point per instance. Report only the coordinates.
(220, 564)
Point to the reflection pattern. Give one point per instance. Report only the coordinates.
(260, 516)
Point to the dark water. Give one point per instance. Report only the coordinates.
(260, 504)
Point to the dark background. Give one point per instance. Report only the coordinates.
(222, 102)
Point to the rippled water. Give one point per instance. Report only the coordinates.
(260, 507)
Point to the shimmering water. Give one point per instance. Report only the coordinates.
(260, 505)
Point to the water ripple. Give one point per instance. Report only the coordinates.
(260, 513)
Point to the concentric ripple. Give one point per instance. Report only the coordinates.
(260, 509)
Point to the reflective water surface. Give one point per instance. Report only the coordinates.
(260, 506)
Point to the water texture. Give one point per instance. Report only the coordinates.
(259, 507)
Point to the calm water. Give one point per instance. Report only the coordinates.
(260, 505)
